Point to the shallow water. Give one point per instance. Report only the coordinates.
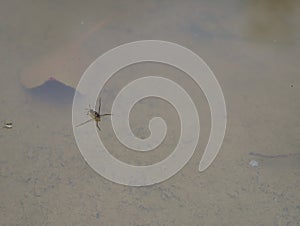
(253, 49)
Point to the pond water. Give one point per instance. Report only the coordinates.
(253, 48)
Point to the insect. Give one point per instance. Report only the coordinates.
(8, 125)
(96, 116)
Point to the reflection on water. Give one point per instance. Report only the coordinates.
(273, 21)
(253, 48)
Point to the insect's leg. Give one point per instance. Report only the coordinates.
(84, 122)
(105, 115)
(97, 124)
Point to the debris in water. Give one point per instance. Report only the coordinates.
(274, 156)
(253, 163)
(8, 125)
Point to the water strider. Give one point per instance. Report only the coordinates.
(96, 116)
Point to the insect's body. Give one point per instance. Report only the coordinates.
(96, 116)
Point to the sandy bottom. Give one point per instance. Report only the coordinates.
(44, 179)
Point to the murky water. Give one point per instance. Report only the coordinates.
(253, 48)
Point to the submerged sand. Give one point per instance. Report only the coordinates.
(253, 49)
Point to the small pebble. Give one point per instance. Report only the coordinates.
(8, 125)
(253, 163)
(97, 215)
